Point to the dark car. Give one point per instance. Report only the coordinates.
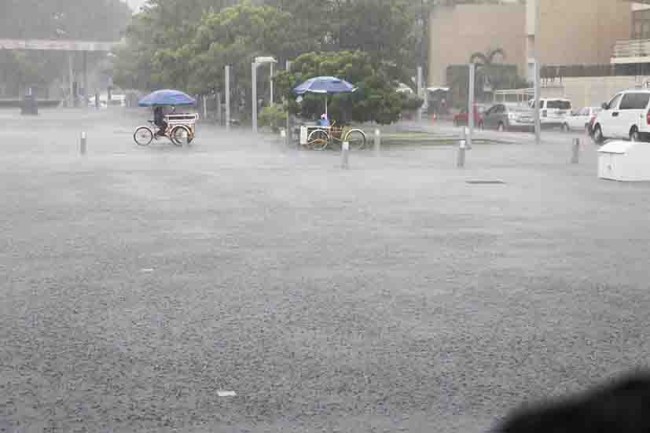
(504, 117)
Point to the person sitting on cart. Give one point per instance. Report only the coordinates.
(324, 121)
(159, 121)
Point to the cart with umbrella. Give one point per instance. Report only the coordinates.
(181, 127)
(320, 137)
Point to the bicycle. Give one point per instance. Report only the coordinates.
(323, 137)
(181, 129)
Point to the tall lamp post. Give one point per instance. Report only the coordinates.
(61, 33)
(256, 64)
(532, 48)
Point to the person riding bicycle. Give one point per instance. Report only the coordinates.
(324, 121)
(159, 121)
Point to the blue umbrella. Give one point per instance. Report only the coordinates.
(324, 86)
(166, 97)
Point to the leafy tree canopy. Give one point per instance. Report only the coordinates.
(374, 100)
(188, 42)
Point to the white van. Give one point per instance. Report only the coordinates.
(627, 115)
(552, 111)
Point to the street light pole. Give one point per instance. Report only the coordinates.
(470, 103)
(532, 31)
(271, 86)
(420, 89)
(227, 90)
(256, 63)
(254, 94)
(71, 79)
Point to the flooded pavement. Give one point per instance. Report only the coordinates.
(238, 285)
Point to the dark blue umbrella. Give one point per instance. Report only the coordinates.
(324, 86)
(166, 97)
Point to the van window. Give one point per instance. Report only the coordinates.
(635, 101)
(558, 105)
(531, 103)
(613, 104)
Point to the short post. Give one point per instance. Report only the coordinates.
(83, 144)
(377, 141)
(462, 147)
(345, 155)
(468, 138)
(575, 151)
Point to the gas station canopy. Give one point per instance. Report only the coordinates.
(55, 45)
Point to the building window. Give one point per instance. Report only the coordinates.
(641, 24)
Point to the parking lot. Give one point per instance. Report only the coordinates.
(146, 285)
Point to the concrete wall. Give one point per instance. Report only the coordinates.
(458, 32)
(593, 91)
(582, 32)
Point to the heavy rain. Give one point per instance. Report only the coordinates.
(222, 216)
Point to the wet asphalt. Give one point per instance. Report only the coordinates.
(237, 285)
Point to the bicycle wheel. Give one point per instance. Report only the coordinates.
(180, 136)
(143, 136)
(356, 138)
(318, 139)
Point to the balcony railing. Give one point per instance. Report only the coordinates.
(632, 51)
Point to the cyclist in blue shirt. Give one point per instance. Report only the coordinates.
(324, 121)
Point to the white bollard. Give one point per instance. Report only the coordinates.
(462, 147)
(83, 143)
(575, 151)
(468, 138)
(377, 141)
(345, 155)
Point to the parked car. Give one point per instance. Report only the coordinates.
(553, 112)
(626, 115)
(462, 118)
(581, 120)
(503, 117)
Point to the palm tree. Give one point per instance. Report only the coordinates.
(486, 59)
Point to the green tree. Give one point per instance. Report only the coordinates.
(214, 34)
(374, 100)
(491, 73)
(153, 54)
(235, 36)
(384, 28)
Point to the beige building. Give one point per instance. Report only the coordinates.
(571, 32)
(582, 32)
(457, 32)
